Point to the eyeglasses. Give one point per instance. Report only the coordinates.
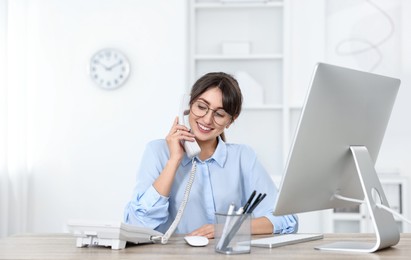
(220, 116)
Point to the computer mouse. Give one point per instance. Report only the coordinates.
(196, 240)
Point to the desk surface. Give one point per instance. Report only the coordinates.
(62, 246)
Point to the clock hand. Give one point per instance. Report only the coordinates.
(104, 66)
(115, 65)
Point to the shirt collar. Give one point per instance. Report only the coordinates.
(219, 156)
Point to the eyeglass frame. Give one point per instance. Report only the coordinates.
(214, 112)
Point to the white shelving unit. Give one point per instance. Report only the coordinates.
(248, 39)
(357, 219)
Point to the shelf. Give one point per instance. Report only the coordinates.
(348, 216)
(264, 107)
(219, 5)
(261, 28)
(239, 57)
(292, 107)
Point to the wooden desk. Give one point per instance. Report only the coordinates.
(62, 246)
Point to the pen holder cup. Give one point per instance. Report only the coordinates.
(232, 233)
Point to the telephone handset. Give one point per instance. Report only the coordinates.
(192, 148)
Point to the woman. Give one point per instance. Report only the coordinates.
(226, 173)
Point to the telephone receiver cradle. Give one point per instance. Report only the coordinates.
(191, 148)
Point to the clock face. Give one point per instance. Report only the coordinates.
(109, 68)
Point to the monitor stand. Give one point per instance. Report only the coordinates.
(386, 230)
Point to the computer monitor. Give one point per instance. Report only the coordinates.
(335, 148)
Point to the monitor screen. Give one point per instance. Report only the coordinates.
(343, 108)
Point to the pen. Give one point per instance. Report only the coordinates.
(256, 202)
(231, 209)
(226, 225)
(256, 199)
(245, 207)
(240, 211)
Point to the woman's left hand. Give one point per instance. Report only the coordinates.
(206, 231)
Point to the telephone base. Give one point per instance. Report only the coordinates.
(110, 234)
(95, 241)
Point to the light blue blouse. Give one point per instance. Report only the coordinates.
(230, 175)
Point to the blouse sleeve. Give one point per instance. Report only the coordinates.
(147, 207)
(260, 181)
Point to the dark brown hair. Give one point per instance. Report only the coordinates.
(232, 97)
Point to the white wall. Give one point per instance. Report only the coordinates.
(85, 143)
(373, 36)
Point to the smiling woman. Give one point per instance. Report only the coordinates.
(226, 174)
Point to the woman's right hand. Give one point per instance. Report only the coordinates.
(177, 134)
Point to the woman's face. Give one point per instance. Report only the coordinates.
(205, 128)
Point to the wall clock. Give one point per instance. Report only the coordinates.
(109, 68)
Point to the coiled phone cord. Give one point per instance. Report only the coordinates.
(164, 239)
